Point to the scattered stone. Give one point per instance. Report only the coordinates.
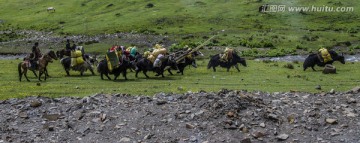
(102, 117)
(35, 103)
(331, 121)
(332, 91)
(51, 117)
(189, 126)
(193, 139)
(258, 134)
(262, 125)
(161, 102)
(148, 136)
(23, 115)
(84, 130)
(230, 114)
(282, 137)
(318, 87)
(246, 140)
(125, 139)
(273, 116)
(355, 90)
(351, 100)
(51, 128)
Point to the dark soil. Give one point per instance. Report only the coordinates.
(225, 116)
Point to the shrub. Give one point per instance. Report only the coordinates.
(149, 5)
(268, 44)
(289, 66)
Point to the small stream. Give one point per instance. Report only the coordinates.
(300, 58)
(12, 57)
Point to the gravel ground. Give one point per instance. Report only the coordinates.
(203, 117)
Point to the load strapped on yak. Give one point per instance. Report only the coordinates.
(112, 57)
(77, 56)
(227, 56)
(324, 55)
(157, 55)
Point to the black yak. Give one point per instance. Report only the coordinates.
(216, 61)
(313, 59)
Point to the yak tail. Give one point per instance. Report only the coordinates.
(98, 68)
(19, 69)
(209, 65)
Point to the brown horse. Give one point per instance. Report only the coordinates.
(42, 64)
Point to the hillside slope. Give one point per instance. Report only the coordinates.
(238, 22)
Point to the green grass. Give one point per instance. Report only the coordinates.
(238, 23)
(271, 77)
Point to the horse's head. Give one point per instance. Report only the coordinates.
(60, 54)
(47, 58)
(52, 55)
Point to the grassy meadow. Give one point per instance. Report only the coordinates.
(271, 77)
(237, 24)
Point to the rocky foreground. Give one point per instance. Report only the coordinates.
(225, 116)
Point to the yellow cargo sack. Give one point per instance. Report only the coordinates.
(112, 60)
(325, 55)
(76, 53)
(156, 52)
(151, 58)
(79, 60)
(73, 62)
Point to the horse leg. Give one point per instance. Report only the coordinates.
(90, 68)
(46, 72)
(20, 72)
(101, 76)
(144, 71)
(25, 75)
(67, 72)
(34, 73)
(170, 72)
(237, 67)
(313, 68)
(107, 75)
(40, 73)
(124, 74)
(214, 69)
(116, 76)
(92, 71)
(136, 73)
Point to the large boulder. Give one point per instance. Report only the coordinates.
(329, 69)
